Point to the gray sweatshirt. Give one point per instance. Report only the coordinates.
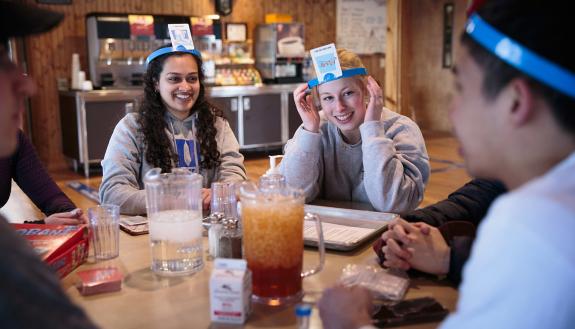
(388, 168)
(124, 164)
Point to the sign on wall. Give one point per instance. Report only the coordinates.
(361, 25)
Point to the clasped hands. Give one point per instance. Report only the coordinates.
(415, 246)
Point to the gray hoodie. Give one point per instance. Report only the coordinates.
(387, 169)
(124, 164)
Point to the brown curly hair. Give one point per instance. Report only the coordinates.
(159, 149)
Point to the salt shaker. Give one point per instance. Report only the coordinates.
(230, 240)
(214, 233)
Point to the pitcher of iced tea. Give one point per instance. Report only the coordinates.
(174, 207)
(272, 222)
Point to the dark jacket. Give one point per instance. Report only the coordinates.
(29, 173)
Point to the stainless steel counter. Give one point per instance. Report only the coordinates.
(227, 91)
(260, 116)
(220, 91)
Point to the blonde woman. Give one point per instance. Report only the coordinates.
(351, 148)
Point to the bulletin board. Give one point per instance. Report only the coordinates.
(361, 25)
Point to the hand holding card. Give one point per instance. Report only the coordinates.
(306, 109)
(375, 105)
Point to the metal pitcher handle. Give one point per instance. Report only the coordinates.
(320, 245)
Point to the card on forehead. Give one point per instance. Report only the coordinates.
(181, 36)
(326, 63)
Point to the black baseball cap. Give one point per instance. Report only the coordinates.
(17, 19)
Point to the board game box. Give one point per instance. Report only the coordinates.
(62, 247)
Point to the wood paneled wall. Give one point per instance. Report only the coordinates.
(49, 54)
(425, 86)
(392, 58)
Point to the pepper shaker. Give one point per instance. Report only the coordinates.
(230, 240)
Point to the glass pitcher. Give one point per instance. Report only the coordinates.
(174, 206)
(272, 222)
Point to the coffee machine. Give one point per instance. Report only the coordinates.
(280, 52)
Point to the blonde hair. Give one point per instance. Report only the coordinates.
(347, 60)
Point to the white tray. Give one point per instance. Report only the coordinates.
(345, 229)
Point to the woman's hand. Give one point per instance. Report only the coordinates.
(206, 198)
(375, 105)
(306, 109)
(74, 217)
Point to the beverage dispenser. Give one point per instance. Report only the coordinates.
(280, 52)
(118, 46)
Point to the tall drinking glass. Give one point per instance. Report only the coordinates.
(224, 199)
(273, 242)
(174, 206)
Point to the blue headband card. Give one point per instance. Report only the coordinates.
(180, 35)
(326, 63)
(181, 38)
(328, 68)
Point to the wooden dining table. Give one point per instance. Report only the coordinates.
(150, 301)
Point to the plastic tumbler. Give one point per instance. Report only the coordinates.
(105, 230)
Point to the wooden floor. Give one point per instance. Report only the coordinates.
(447, 171)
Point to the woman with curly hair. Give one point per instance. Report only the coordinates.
(176, 126)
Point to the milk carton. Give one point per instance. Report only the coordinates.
(230, 291)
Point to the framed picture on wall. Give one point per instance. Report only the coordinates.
(236, 32)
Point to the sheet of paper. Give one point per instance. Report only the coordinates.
(361, 25)
(335, 233)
